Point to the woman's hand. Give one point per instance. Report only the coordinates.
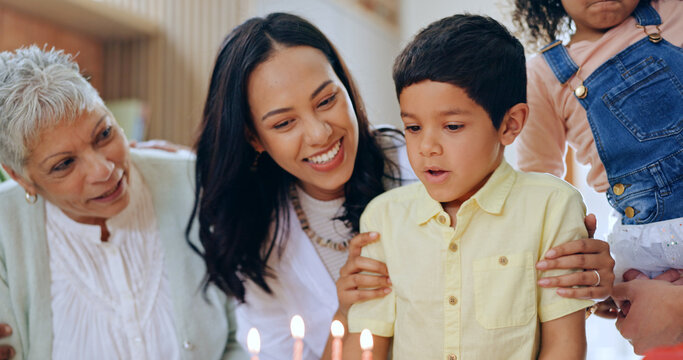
(588, 254)
(652, 313)
(352, 286)
(6, 351)
(609, 309)
(673, 276)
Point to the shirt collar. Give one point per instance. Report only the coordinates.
(490, 198)
(426, 207)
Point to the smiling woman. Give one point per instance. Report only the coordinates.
(82, 167)
(313, 138)
(277, 216)
(95, 264)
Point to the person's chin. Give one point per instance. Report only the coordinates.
(115, 207)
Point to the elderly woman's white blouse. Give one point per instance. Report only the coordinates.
(111, 300)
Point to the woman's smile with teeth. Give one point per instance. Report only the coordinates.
(323, 158)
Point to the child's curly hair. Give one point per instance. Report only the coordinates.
(539, 22)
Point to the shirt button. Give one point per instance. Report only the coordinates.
(453, 247)
(618, 189)
(503, 260)
(441, 219)
(452, 300)
(188, 345)
(452, 357)
(137, 339)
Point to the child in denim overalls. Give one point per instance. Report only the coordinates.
(626, 73)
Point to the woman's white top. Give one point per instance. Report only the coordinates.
(322, 220)
(303, 285)
(111, 300)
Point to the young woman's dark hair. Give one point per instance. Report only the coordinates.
(483, 59)
(541, 21)
(241, 201)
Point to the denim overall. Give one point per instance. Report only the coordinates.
(634, 104)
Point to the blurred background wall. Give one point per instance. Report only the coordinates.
(160, 52)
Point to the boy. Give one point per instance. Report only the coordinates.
(461, 245)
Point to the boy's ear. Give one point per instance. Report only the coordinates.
(254, 141)
(513, 123)
(26, 184)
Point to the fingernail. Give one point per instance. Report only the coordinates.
(551, 253)
(389, 281)
(562, 291)
(544, 282)
(374, 234)
(542, 265)
(387, 290)
(7, 329)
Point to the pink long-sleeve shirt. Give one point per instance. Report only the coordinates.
(556, 117)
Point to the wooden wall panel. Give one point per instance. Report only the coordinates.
(19, 29)
(171, 71)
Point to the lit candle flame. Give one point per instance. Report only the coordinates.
(297, 327)
(366, 340)
(254, 341)
(337, 329)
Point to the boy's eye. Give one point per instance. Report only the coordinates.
(453, 127)
(283, 124)
(412, 128)
(327, 101)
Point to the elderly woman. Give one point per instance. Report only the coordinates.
(93, 258)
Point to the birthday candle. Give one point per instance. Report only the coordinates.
(337, 330)
(366, 344)
(297, 328)
(254, 343)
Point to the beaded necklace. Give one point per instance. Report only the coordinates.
(306, 227)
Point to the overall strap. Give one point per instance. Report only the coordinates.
(562, 64)
(646, 15)
(559, 61)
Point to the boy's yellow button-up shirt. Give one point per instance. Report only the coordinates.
(470, 292)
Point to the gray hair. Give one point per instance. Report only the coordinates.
(39, 89)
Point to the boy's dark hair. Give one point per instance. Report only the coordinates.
(472, 52)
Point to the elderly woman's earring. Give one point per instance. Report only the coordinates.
(31, 199)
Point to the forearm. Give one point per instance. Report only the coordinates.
(564, 338)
